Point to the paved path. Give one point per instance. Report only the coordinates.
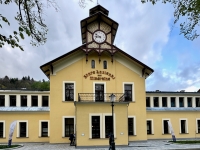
(149, 145)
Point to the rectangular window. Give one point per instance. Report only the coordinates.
(34, 101)
(128, 92)
(183, 126)
(197, 102)
(1, 129)
(165, 127)
(44, 129)
(156, 102)
(147, 101)
(22, 129)
(104, 64)
(93, 64)
(13, 100)
(181, 102)
(69, 126)
(108, 125)
(2, 100)
(198, 126)
(99, 92)
(173, 101)
(95, 126)
(45, 101)
(189, 102)
(69, 91)
(130, 126)
(164, 101)
(149, 127)
(23, 101)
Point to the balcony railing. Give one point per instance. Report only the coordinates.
(104, 97)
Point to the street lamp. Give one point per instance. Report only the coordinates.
(112, 99)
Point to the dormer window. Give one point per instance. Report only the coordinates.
(104, 64)
(92, 64)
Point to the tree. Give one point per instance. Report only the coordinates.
(190, 9)
(30, 20)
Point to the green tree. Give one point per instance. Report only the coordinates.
(30, 20)
(190, 9)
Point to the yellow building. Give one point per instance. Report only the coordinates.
(81, 83)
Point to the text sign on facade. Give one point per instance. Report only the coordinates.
(99, 75)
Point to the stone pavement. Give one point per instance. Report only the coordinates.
(149, 145)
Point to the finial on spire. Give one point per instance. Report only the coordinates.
(97, 2)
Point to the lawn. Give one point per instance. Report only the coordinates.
(6, 146)
(186, 142)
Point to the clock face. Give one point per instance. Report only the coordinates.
(99, 36)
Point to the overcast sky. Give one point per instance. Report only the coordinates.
(145, 31)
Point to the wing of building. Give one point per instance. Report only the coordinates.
(96, 90)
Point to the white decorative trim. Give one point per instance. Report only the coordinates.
(165, 119)
(4, 128)
(104, 83)
(152, 125)
(40, 127)
(18, 132)
(90, 124)
(63, 124)
(109, 114)
(74, 82)
(186, 120)
(133, 89)
(134, 124)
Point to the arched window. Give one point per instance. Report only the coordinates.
(104, 64)
(93, 64)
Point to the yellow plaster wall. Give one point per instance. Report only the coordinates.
(76, 72)
(83, 111)
(33, 125)
(175, 121)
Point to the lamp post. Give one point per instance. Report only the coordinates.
(112, 99)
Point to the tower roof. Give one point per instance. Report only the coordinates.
(98, 8)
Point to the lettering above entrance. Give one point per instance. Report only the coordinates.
(99, 75)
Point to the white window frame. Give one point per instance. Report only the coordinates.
(74, 82)
(133, 89)
(18, 128)
(40, 127)
(4, 128)
(165, 119)
(197, 125)
(108, 114)
(63, 125)
(104, 83)
(90, 124)
(134, 124)
(152, 126)
(186, 120)
(41, 100)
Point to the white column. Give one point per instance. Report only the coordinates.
(193, 102)
(151, 101)
(18, 99)
(39, 100)
(168, 102)
(185, 101)
(7, 100)
(177, 101)
(160, 101)
(28, 100)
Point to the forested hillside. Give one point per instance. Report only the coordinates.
(26, 83)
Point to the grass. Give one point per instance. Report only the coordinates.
(6, 146)
(186, 142)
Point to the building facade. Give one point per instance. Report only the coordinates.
(81, 83)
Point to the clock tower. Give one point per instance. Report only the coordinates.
(98, 32)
